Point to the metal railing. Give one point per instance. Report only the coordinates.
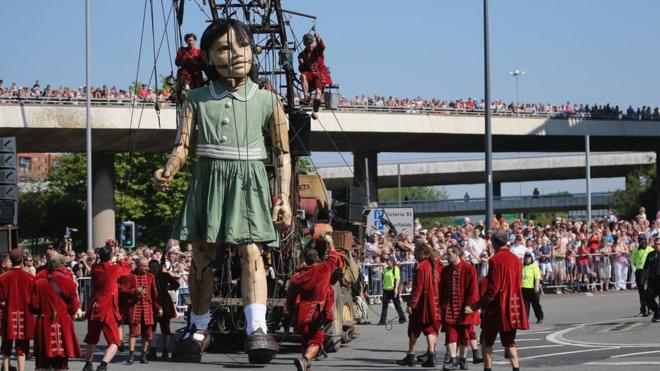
(127, 102)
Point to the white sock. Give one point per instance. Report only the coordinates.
(255, 317)
(201, 321)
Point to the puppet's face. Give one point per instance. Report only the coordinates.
(229, 58)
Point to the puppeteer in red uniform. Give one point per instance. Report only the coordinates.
(189, 61)
(424, 305)
(55, 301)
(459, 289)
(18, 321)
(103, 311)
(312, 295)
(142, 287)
(315, 74)
(502, 304)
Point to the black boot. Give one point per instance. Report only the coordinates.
(476, 356)
(408, 360)
(143, 358)
(451, 364)
(165, 356)
(462, 363)
(131, 358)
(301, 363)
(422, 358)
(88, 366)
(102, 367)
(656, 316)
(430, 360)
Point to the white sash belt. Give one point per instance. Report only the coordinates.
(221, 152)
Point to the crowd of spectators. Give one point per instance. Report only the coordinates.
(376, 102)
(48, 92)
(174, 260)
(572, 255)
(419, 104)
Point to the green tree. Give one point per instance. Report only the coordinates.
(137, 200)
(640, 191)
(418, 193)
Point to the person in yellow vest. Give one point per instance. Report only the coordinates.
(639, 255)
(531, 286)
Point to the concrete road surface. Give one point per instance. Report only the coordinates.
(580, 332)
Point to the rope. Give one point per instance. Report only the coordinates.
(167, 37)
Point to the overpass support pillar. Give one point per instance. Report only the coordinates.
(497, 189)
(361, 160)
(103, 197)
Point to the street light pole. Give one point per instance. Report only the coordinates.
(488, 143)
(88, 129)
(516, 73)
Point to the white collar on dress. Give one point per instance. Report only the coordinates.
(249, 86)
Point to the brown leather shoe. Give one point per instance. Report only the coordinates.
(261, 348)
(191, 348)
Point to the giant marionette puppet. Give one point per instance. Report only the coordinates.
(228, 201)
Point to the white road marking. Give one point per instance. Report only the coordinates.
(571, 352)
(533, 347)
(557, 354)
(634, 354)
(558, 337)
(634, 363)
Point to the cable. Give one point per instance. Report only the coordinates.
(167, 37)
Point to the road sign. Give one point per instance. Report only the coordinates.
(399, 217)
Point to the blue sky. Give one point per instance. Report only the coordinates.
(590, 51)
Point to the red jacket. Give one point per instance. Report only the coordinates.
(424, 297)
(55, 334)
(502, 304)
(314, 61)
(190, 62)
(15, 288)
(458, 290)
(311, 285)
(104, 305)
(145, 304)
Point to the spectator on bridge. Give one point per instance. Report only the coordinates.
(189, 61)
(466, 197)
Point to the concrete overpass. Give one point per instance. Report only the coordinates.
(528, 168)
(60, 128)
(506, 204)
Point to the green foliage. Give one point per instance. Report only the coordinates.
(137, 200)
(47, 214)
(639, 191)
(304, 165)
(419, 193)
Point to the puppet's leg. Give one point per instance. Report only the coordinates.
(200, 282)
(259, 346)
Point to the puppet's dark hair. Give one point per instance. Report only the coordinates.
(217, 29)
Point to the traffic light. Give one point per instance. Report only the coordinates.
(128, 234)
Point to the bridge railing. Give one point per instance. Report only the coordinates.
(47, 101)
(496, 198)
